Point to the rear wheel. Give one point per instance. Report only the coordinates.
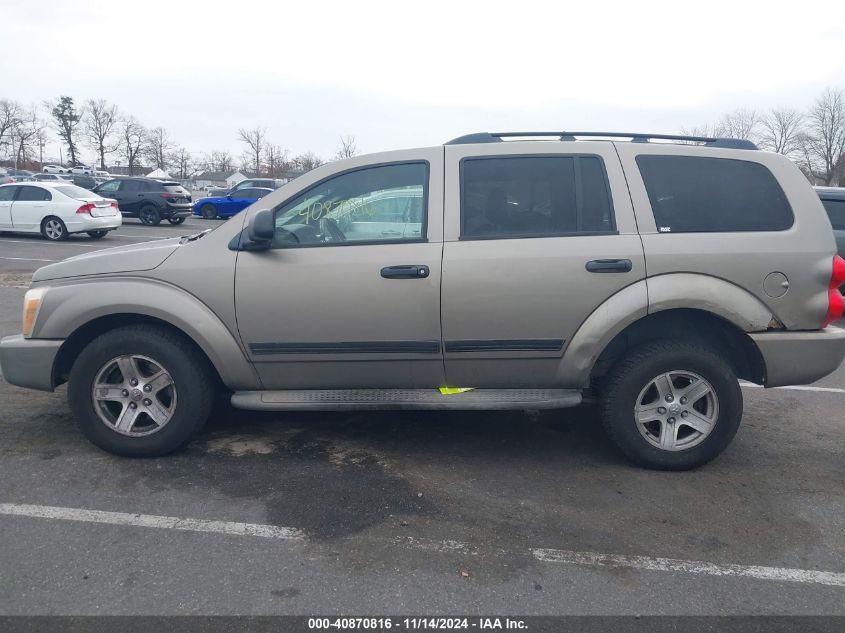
(671, 405)
(150, 216)
(209, 211)
(53, 229)
(141, 391)
(176, 220)
(97, 234)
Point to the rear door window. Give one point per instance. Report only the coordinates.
(534, 196)
(693, 194)
(33, 194)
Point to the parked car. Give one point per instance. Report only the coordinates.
(6, 178)
(86, 182)
(833, 199)
(19, 173)
(263, 183)
(228, 205)
(528, 274)
(48, 178)
(83, 170)
(55, 169)
(149, 200)
(56, 211)
(102, 174)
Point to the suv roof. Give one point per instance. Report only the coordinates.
(635, 137)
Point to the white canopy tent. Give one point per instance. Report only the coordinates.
(158, 173)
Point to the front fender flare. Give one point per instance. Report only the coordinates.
(68, 307)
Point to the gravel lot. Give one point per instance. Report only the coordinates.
(424, 513)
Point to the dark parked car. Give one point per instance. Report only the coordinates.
(228, 205)
(86, 182)
(833, 199)
(149, 200)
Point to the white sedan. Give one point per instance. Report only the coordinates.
(56, 210)
(55, 169)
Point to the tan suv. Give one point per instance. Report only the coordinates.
(492, 272)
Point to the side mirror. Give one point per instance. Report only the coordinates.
(262, 227)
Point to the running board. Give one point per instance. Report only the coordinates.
(404, 399)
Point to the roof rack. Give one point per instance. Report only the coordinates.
(636, 137)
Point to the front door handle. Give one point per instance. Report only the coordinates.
(609, 266)
(405, 271)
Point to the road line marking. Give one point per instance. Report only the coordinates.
(742, 383)
(46, 243)
(151, 521)
(30, 259)
(648, 563)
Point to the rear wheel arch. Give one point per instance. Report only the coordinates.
(686, 324)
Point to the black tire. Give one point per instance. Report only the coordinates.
(622, 387)
(176, 220)
(97, 235)
(208, 211)
(150, 216)
(193, 381)
(53, 229)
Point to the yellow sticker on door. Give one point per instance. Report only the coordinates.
(449, 391)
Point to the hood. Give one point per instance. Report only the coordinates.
(121, 259)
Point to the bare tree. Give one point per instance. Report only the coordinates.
(741, 123)
(348, 147)
(157, 147)
(66, 119)
(782, 130)
(99, 123)
(25, 137)
(307, 161)
(181, 159)
(11, 114)
(277, 160)
(219, 160)
(132, 135)
(825, 141)
(255, 141)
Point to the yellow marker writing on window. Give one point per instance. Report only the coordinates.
(448, 391)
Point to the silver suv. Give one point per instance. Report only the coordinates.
(492, 272)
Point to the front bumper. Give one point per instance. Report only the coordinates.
(799, 358)
(29, 362)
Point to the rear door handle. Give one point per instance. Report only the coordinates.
(609, 266)
(405, 271)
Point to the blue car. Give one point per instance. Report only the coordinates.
(227, 206)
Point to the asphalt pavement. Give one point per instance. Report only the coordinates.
(412, 513)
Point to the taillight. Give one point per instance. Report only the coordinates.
(835, 300)
(169, 195)
(113, 205)
(86, 208)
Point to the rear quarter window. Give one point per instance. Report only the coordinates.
(692, 194)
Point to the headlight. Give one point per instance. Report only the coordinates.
(31, 305)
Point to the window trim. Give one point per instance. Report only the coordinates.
(710, 231)
(423, 231)
(578, 197)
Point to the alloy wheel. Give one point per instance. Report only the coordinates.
(134, 395)
(676, 410)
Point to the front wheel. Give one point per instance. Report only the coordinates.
(671, 405)
(150, 216)
(141, 391)
(176, 220)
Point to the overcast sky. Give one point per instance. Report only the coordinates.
(402, 74)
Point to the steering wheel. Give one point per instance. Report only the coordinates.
(328, 227)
